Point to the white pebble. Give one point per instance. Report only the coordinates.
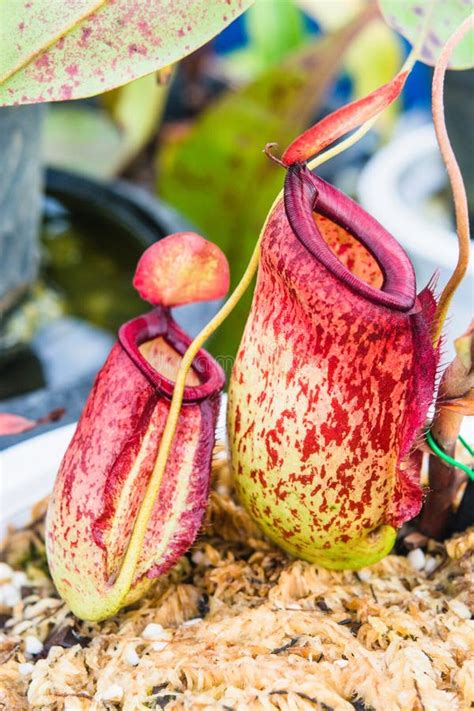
(6, 573)
(431, 564)
(364, 575)
(25, 668)
(113, 693)
(72, 704)
(197, 557)
(460, 609)
(416, 558)
(131, 656)
(191, 623)
(154, 631)
(33, 645)
(9, 595)
(341, 663)
(19, 579)
(159, 646)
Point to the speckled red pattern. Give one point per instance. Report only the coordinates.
(330, 388)
(106, 468)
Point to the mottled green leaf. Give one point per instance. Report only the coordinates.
(439, 19)
(217, 175)
(67, 49)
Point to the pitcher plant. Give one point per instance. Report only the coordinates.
(328, 399)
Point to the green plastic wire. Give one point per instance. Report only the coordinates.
(446, 458)
(466, 445)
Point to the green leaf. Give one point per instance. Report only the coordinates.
(81, 139)
(219, 178)
(372, 60)
(136, 109)
(67, 49)
(331, 15)
(274, 30)
(100, 143)
(409, 18)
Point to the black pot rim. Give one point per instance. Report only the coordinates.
(125, 205)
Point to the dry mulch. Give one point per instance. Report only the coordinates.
(246, 627)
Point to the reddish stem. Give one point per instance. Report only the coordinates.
(445, 480)
(455, 177)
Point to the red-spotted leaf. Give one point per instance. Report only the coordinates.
(181, 269)
(67, 49)
(340, 122)
(14, 424)
(437, 20)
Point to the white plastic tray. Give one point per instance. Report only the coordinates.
(28, 470)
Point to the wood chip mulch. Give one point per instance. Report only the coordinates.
(239, 625)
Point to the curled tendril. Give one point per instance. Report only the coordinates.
(454, 174)
(268, 152)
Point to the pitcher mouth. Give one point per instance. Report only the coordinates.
(159, 322)
(305, 193)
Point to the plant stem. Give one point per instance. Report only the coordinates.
(454, 174)
(444, 479)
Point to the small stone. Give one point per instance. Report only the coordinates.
(416, 558)
(154, 631)
(19, 579)
(159, 646)
(415, 540)
(364, 575)
(113, 693)
(191, 623)
(131, 656)
(26, 668)
(197, 557)
(72, 703)
(341, 663)
(9, 595)
(6, 573)
(431, 564)
(460, 609)
(33, 645)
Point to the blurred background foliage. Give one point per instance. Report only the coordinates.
(194, 134)
(182, 149)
